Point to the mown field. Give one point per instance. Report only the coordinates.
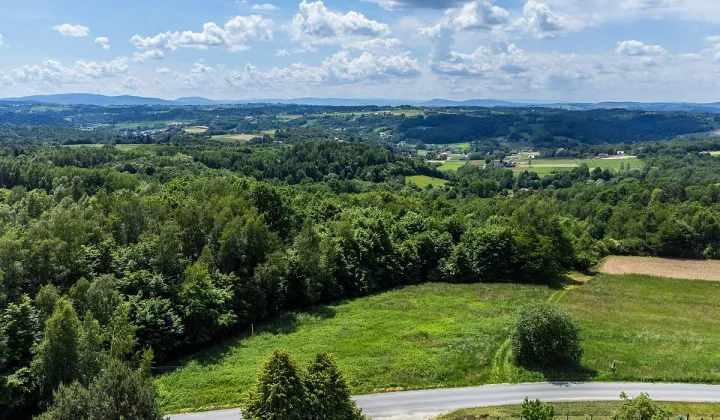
(428, 336)
(649, 328)
(423, 181)
(546, 166)
(581, 410)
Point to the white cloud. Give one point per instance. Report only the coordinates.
(81, 71)
(266, 6)
(282, 53)
(316, 24)
(508, 59)
(543, 23)
(232, 35)
(67, 29)
(1, 41)
(413, 4)
(637, 48)
(648, 4)
(340, 68)
(103, 42)
(163, 70)
(132, 83)
(202, 69)
(148, 55)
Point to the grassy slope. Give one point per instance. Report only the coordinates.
(652, 328)
(437, 335)
(433, 335)
(581, 410)
(423, 181)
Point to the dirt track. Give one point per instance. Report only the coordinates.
(662, 267)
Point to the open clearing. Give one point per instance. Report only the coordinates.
(198, 129)
(662, 267)
(419, 337)
(546, 166)
(652, 329)
(423, 181)
(237, 137)
(634, 328)
(581, 410)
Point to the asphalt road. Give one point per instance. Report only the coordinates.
(410, 403)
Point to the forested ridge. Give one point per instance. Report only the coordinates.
(149, 253)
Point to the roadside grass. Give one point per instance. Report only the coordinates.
(419, 337)
(650, 328)
(423, 181)
(582, 410)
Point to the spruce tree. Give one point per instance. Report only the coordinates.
(279, 392)
(328, 393)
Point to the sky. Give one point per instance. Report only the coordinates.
(558, 50)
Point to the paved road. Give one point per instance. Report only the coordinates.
(441, 400)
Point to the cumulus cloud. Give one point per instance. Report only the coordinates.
(201, 68)
(103, 42)
(1, 41)
(266, 6)
(543, 23)
(67, 29)
(233, 35)
(651, 5)
(163, 70)
(81, 71)
(148, 55)
(132, 83)
(282, 53)
(637, 48)
(475, 15)
(413, 4)
(342, 67)
(316, 24)
(508, 59)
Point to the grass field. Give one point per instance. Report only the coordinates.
(423, 181)
(450, 165)
(652, 328)
(582, 410)
(198, 129)
(433, 335)
(99, 145)
(133, 125)
(544, 166)
(288, 117)
(237, 137)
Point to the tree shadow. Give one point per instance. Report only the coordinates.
(216, 350)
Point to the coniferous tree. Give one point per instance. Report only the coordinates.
(279, 392)
(328, 393)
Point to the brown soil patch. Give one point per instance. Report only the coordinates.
(663, 267)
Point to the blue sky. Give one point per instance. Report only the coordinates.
(569, 50)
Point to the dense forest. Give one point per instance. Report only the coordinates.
(112, 255)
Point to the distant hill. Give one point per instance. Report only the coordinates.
(91, 99)
(102, 100)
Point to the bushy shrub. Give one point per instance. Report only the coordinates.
(545, 336)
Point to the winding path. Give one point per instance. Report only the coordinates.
(409, 403)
